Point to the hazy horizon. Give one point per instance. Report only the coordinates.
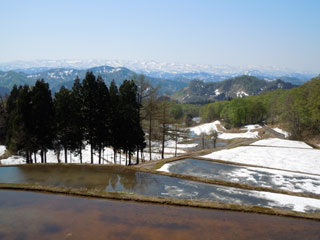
(235, 33)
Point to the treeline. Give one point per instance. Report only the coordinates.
(33, 121)
(298, 108)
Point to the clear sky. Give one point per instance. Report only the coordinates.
(283, 33)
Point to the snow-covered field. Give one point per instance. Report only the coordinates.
(107, 156)
(247, 134)
(72, 158)
(172, 144)
(277, 142)
(285, 157)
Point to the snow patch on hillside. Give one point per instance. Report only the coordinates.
(251, 127)
(285, 133)
(206, 128)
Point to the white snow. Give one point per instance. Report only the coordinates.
(107, 157)
(208, 127)
(251, 127)
(289, 181)
(285, 133)
(299, 204)
(166, 167)
(196, 119)
(242, 94)
(205, 128)
(172, 144)
(248, 134)
(292, 159)
(155, 156)
(2, 150)
(276, 142)
(278, 200)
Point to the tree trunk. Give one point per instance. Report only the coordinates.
(91, 154)
(41, 155)
(129, 158)
(58, 155)
(176, 138)
(27, 157)
(163, 140)
(126, 157)
(150, 132)
(141, 152)
(114, 156)
(80, 155)
(137, 162)
(35, 157)
(65, 155)
(100, 154)
(202, 139)
(45, 156)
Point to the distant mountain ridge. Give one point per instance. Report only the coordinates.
(173, 71)
(204, 92)
(65, 77)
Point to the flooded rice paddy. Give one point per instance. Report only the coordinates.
(262, 177)
(28, 215)
(112, 179)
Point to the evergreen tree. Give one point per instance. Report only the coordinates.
(129, 109)
(89, 90)
(19, 137)
(115, 120)
(66, 120)
(3, 123)
(78, 118)
(42, 117)
(102, 122)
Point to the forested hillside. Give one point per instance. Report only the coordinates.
(203, 92)
(64, 77)
(298, 108)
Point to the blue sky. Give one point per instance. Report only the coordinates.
(283, 33)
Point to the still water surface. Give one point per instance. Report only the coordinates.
(254, 176)
(131, 181)
(28, 215)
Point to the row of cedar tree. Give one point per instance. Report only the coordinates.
(90, 113)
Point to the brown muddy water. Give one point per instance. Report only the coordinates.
(29, 215)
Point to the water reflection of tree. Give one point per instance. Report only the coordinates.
(134, 181)
(128, 179)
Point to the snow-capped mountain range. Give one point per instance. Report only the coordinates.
(161, 69)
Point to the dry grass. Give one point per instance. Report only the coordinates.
(6, 155)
